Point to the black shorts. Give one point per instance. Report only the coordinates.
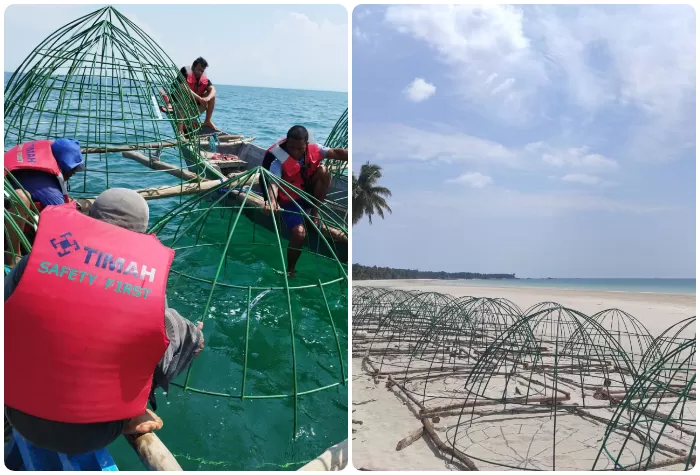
(64, 437)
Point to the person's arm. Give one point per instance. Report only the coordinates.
(12, 279)
(337, 154)
(186, 342)
(210, 93)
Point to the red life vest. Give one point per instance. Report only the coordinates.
(292, 171)
(192, 82)
(37, 156)
(85, 328)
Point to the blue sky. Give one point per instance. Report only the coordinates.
(249, 45)
(548, 141)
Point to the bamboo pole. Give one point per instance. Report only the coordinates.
(228, 140)
(127, 148)
(180, 173)
(226, 137)
(158, 192)
(158, 145)
(154, 455)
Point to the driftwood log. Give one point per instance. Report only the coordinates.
(430, 429)
(412, 437)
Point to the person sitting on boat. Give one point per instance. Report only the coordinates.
(296, 159)
(42, 168)
(203, 90)
(89, 334)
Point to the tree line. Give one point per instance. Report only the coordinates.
(360, 272)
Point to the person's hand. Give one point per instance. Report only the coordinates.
(204, 100)
(143, 424)
(274, 208)
(200, 325)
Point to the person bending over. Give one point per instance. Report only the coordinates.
(42, 168)
(296, 159)
(88, 334)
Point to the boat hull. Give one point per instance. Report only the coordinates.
(21, 455)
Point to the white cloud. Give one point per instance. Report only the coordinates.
(473, 179)
(577, 157)
(496, 202)
(522, 64)
(360, 35)
(581, 178)
(400, 143)
(321, 40)
(419, 90)
(361, 13)
(485, 46)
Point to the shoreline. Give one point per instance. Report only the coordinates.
(645, 307)
(392, 283)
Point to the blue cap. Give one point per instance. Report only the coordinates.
(67, 154)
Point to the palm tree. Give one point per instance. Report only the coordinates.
(367, 198)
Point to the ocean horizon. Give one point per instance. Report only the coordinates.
(9, 74)
(635, 285)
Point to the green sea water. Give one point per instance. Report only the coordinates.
(215, 432)
(256, 431)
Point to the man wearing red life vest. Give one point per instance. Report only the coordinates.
(297, 159)
(88, 335)
(42, 168)
(202, 89)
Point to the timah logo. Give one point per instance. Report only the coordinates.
(102, 259)
(65, 246)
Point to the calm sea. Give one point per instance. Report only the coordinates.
(207, 432)
(660, 286)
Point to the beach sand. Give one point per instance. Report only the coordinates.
(386, 418)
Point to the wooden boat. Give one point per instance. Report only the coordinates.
(234, 153)
(334, 459)
(234, 156)
(20, 454)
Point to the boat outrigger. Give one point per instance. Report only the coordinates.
(233, 164)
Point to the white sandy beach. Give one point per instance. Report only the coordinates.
(386, 419)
